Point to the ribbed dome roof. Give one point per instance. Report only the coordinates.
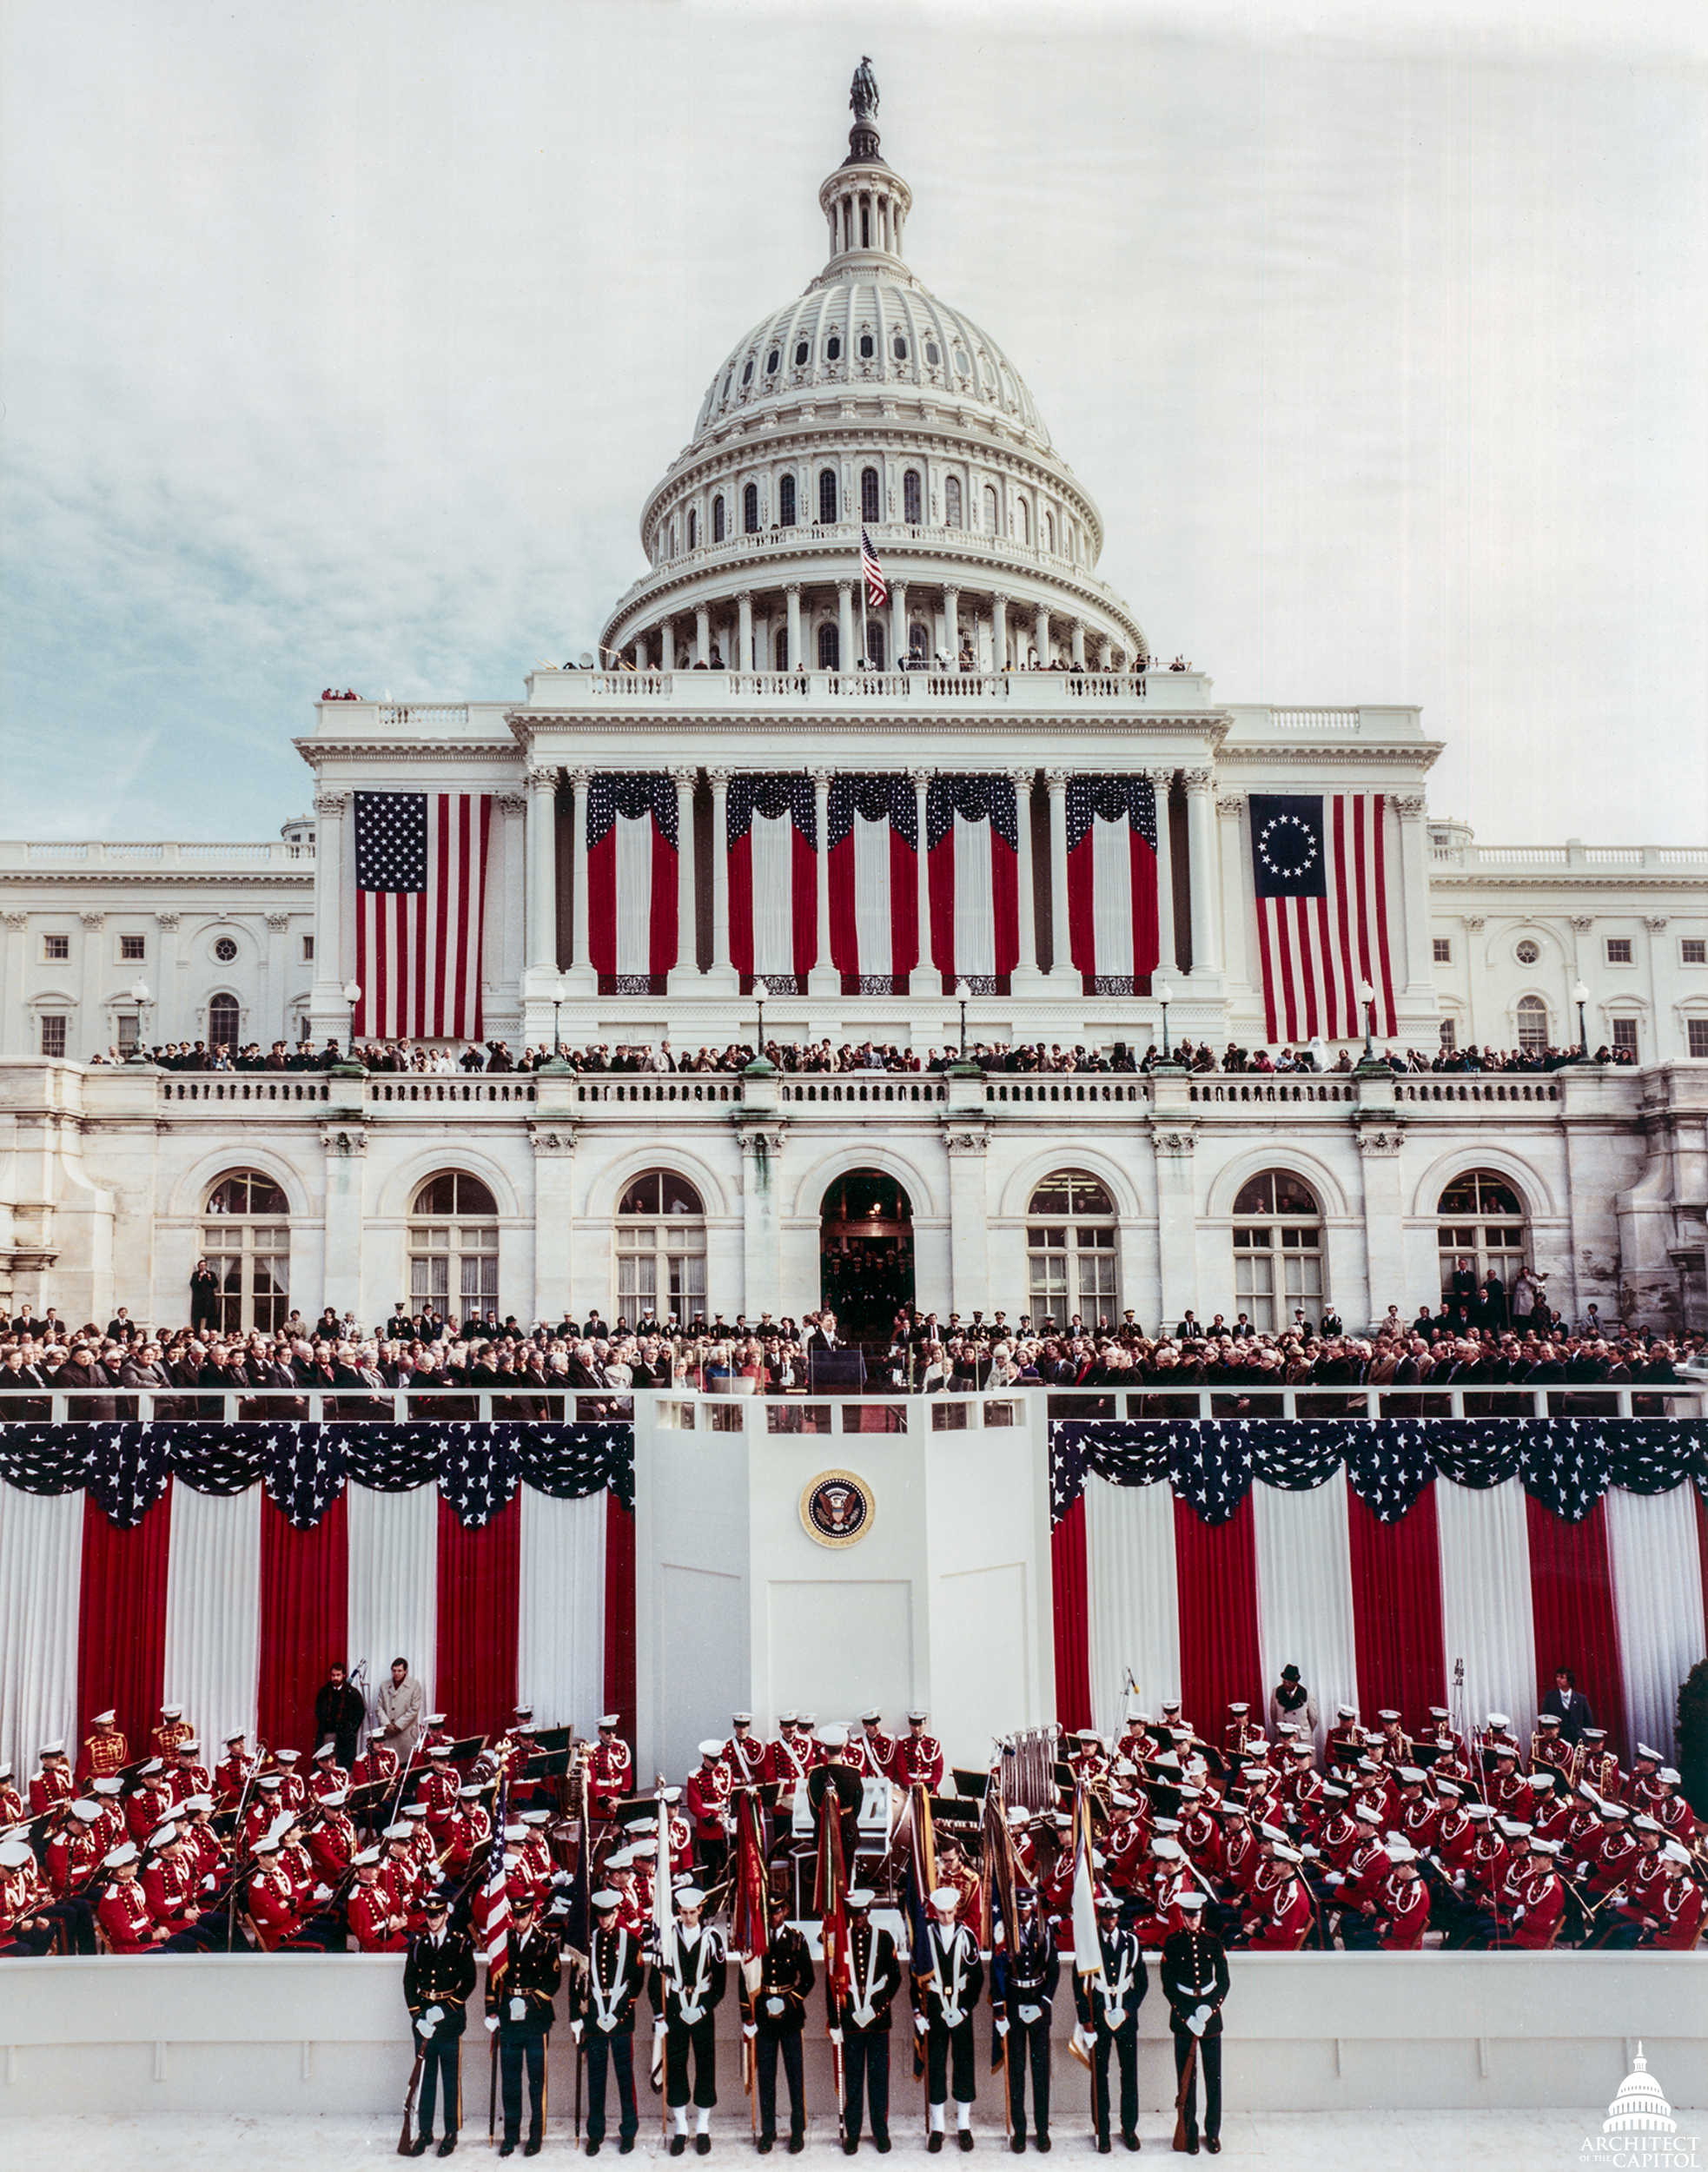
(862, 324)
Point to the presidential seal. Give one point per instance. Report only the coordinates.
(837, 1508)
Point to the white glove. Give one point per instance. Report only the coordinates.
(518, 2010)
(1030, 2014)
(492, 2021)
(921, 2025)
(657, 2030)
(1334, 1877)
(607, 2022)
(434, 2015)
(835, 2038)
(1518, 1914)
(773, 2006)
(750, 2029)
(424, 2028)
(1002, 2025)
(1195, 2025)
(575, 2030)
(1201, 2013)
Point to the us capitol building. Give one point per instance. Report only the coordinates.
(764, 777)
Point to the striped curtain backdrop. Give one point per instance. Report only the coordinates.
(874, 834)
(631, 891)
(217, 1602)
(773, 833)
(1112, 883)
(1377, 1614)
(973, 839)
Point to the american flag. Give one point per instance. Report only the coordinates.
(498, 1887)
(420, 894)
(1320, 877)
(877, 589)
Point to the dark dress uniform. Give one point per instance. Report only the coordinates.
(604, 2002)
(875, 1973)
(1022, 1992)
(529, 1976)
(1109, 2009)
(694, 1976)
(440, 1972)
(777, 2008)
(948, 1978)
(1193, 1973)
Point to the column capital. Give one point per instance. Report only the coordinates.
(551, 1141)
(719, 777)
(510, 802)
(278, 922)
(844, 588)
(1057, 779)
(1198, 780)
(746, 595)
(1582, 923)
(685, 774)
(1161, 778)
(541, 780)
(345, 1141)
(667, 625)
(1176, 1143)
(578, 779)
(999, 601)
(1409, 806)
(1654, 923)
(330, 803)
(167, 923)
(93, 921)
(16, 920)
(1076, 625)
(1233, 803)
(922, 776)
(1021, 776)
(821, 778)
(793, 587)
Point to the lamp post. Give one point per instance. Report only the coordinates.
(139, 995)
(560, 995)
(963, 995)
(761, 1067)
(1366, 1003)
(349, 1068)
(1163, 988)
(1580, 997)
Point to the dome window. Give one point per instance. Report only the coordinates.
(693, 528)
(912, 508)
(786, 501)
(952, 501)
(718, 519)
(900, 345)
(962, 366)
(772, 360)
(833, 348)
(750, 509)
(829, 647)
(827, 497)
(801, 352)
(933, 352)
(869, 501)
(747, 374)
(867, 346)
(728, 381)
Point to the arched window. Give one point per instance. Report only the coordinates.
(786, 501)
(1022, 521)
(990, 508)
(453, 1245)
(830, 648)
(865, 224)
(718, 519)
(1049, 536)
(245, 1239)
(919, 639)
(952, 501)
(1532, 1023)
(912, 498)
(1481, 1227)
(827, 497)
(780, 649)
(1070, 1254)
(1277, 1250)
(660, 1248)
(869, 498)
(875, 644)
(693, 528)
(750, 509)
(224, 1022)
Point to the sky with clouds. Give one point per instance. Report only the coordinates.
(343, 344)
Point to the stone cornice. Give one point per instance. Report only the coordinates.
(1574, 879)
(13, 879)
(1205, 728)
(1340, 753)
(322, 753)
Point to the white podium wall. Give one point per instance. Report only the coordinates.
(944, 1602)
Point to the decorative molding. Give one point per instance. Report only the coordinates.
(1410, 805)
(510, 802)
(552, 1142)
(1382, 1142)
(1198, 782)
(345, 1143)
(330, 803)
(538, 780)
(1581, 922)
(1174, 1142)
(1233, 803)
(277, 921)
(959, 1142)
(93, 921)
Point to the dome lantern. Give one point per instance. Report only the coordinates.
(865, 204)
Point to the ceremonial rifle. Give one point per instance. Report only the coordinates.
(405, 2148)
(1190, 2069)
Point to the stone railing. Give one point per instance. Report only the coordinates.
(1052, 1089)
(845, 1091)
(1050, 692)
(1507, 1086)
(96, 853)
(224, 1089)
(1648, 858)
(1212, 1088)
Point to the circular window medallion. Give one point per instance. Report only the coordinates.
(1528, 952)
(225, 949)
(837, 1508)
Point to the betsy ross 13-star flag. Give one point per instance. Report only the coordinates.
(874, 825)
(1319, 864)
(631, 882)
(421, 906)
(1112, 882)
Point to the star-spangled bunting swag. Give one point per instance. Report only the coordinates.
(633, 861)
(1566, 1464)
(126, 1464)
(773, 835)
(1111, 846)
(972, 835)
(873, 838)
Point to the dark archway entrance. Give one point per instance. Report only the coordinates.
(865, 1252)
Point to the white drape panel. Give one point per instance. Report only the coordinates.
(213, 1611)
(41, 1581)
(394, 1588)
(560, 1625)
(772, 848)
(1657, 1599)
(1112, 895)
(1304, 1591)
(635, 838)
(975, 900)
(1486, 1616)
(1132, 1595)
(871, 895)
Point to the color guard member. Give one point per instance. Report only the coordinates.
(438, 1982)
(688, 1980)
(1194, 1976)
(860, 2023)
(947, 1979)
(521, 2005)
(602, 2006)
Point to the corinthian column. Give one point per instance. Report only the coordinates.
(723, 978)
(1161, 779)
(824, 979)
(1206, 890)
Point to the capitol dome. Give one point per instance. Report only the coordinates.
(1640, 2108)
(865, 404)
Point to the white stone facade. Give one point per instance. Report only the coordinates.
(108, 1172)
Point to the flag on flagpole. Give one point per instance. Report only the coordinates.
(497, 1887)
(1088, 1950)
(664, 1910)
(420, 900)
(877, 589)
(1319, 875)
(748, 1928)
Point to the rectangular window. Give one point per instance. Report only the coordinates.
(53, 1033)
(1695, 1031)
(308, 948)
(1693, 950)
(133, 946)
(1441, 945)
(1449, 1033)
(1618, 949)
(1625, 1034)
(56, 946)
(130, 1032)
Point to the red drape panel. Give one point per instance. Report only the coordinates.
(619, 1614)
(1572, 1604)
(479, 1600)
(305, 1616)
(1219, 1660)
(1073, 1614)
(1396, 1610)
(121, 1622)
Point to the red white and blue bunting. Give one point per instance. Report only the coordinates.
(774, 880)
(631, 882)
(874, 832)
(973, 835)
(1112, 883)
